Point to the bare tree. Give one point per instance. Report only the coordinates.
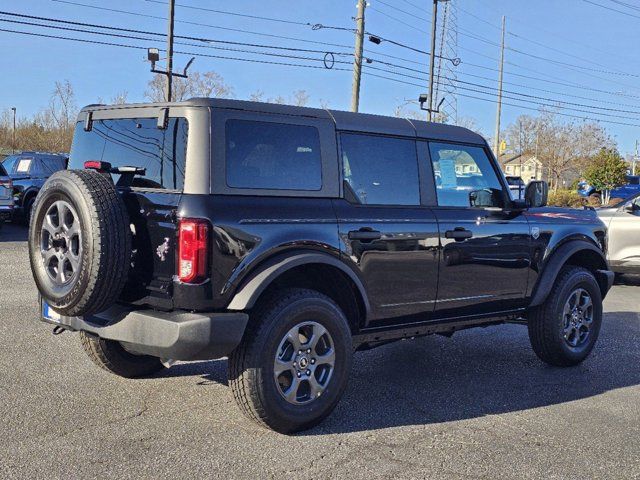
(208, 84)
(300, 98)
(564, 149)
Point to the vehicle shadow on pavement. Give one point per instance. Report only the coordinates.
(210, 371)
(11, 232)
(474, 374)
(436, 380)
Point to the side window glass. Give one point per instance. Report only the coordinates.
(274, 156)
(465, 177)
(381, 170)
(24, 165)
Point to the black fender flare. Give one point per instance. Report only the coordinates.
(559, 258)
(247, 295)
(28, 194)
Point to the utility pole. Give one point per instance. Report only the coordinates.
(170, 49)
(357, 57)
(635, 159)
(432, 57)
(13, 143)
(496, 140)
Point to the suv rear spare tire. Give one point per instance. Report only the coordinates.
(79, 242)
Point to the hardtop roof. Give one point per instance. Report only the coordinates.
(344, 121)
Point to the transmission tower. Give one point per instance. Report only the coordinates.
(447, 48)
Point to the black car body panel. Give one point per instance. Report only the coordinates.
(416, 267)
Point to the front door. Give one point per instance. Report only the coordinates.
(624, 232)
(385, 232)
(485, 249)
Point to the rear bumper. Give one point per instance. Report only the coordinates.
(174, 335)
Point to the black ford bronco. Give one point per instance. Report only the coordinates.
(287, 238)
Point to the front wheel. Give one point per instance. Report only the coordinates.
(564, 329)
(292, 366)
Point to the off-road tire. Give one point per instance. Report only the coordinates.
(105, 240)
(251, 365)
(545, 323)
(112, 357)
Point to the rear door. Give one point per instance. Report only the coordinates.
(485, 248)
(152, 199)
(385, 231)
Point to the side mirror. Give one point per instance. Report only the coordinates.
(631, 207)
(536, 193)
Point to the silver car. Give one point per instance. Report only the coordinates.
(623, 223)
(6, 196)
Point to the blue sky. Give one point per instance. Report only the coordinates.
(571, 47)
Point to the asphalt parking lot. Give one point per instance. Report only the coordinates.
(477, 405)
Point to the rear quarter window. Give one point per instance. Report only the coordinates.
(136, 142)
(273, 156)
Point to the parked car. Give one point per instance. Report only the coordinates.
(516, 186)
(625, 191)
(623, 223)
(6, 196)
(286, 238)
(28, 172)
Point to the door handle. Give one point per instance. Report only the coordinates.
(458, 234)
(365, 234)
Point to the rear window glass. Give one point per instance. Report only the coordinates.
(3, 172)
(135, 142)
(274, 156)
(634, 180)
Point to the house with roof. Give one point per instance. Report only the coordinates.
(525, 166)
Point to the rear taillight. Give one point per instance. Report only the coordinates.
(193, 241)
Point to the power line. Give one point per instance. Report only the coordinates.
(235, 14)
(507, 103)
(525, 95)
(199, 24)
(145, 32)
(612, 9)
(137, 47)
(238, 50)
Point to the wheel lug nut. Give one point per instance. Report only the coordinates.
(308, 350)
(299, 352)
(295, 364)
(313, 361)
(299, 374)
(308, 372)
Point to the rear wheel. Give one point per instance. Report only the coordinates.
(564, 330)
(112, 357)
(292, 366)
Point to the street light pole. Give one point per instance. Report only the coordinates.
(432, 58)
(357, 57)
(13, 143)
(496, 139)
